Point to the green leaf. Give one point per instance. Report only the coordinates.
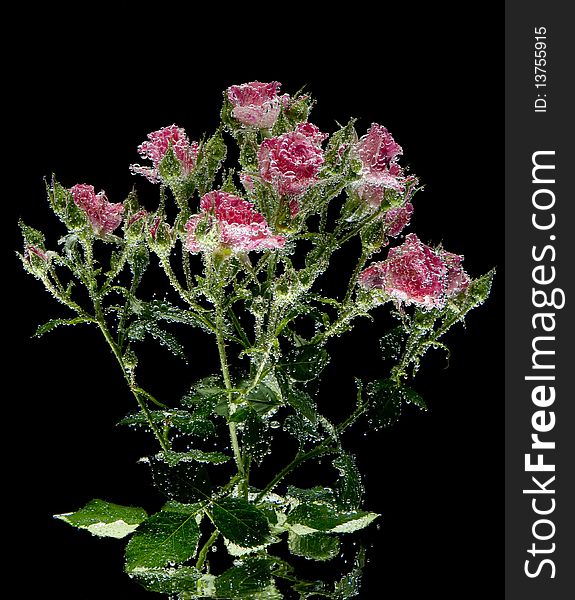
(349, 488)
(303, 403)
(256, 437)
(166, 537)
(167, 580)
(105, 519)
(306, 363)
(54, 323)
(310, 518)
(413, 397)
(185, 481)
(265, 396)
(317, 546)
(250, 578)
(391, 343)
(206, 394)
(139, 328)
(385, 399)
(302, 429)
(240, 522)
(161, 310)
(240, 415)
(349, 585)
(173, 458)
(315, 494)
(182, 420)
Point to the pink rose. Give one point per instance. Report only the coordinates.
(377, 149)
(397, 219)
(312, 132)
(157, 146)
(412, 273)
(230, 222)
(103, 215)
(378, 152)
(256, 104)
(291, 162)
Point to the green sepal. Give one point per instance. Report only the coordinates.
(62, 203)
(211, 156)
(170, 166)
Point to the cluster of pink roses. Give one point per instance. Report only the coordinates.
(414, 273)
(290, 163)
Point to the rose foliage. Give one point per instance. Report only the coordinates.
(243, 251)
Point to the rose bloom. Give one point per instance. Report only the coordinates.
(230, 222)
(256, 104)
(157, 146)
(103, 215)
(414, 273)
(378, 152)
(291, 162)
(397, 219)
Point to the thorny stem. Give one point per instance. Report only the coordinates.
(116, 351)
(227, 380)
(204, 551)
(185, 295)
(100, 319)
(321, 448)
(125, 311)
(355, 274)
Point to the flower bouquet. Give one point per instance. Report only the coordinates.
(248, 226)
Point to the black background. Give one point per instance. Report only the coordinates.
(84, 98)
